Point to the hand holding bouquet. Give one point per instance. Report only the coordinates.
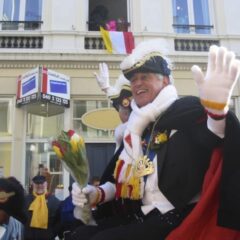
(70, 148)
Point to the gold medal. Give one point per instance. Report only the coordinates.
(143, 167)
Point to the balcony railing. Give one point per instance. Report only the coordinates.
(21, 25)
(194, 45)
(21, 42)
(94, 43)
(186, 44)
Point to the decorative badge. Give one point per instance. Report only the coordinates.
(125, 102)
(143, 167)
(158, 139)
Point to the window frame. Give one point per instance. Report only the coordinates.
(21, 23)
(10, 120)
(128, 20)
(97, 139)
(191, 28)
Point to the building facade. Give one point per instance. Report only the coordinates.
(63, 35)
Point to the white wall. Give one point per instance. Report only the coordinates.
(64, 14)
(232, 11)
(152, 15)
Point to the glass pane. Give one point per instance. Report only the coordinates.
(91, 105)
(41, 160)
(201, 16)
(79, 108)
(5, 159)
(180, 16)
(102, 104)
(11, 10)
(44, 127)
(10, 13)
(33, 12)
(88, 132)
(83, 130)
(5, 118)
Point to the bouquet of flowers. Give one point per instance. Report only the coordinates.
(70, 149)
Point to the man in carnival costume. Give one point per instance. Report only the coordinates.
(174, 149)
(120, 95)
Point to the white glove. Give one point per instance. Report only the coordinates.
(79, 213)
(103, 77)
(215, 88)
(80, 197)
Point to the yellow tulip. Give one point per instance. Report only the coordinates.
(74, 145)
(81, 142)
(58, 152)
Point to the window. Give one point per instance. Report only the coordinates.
(6, 108)
(82, 106)
(5, 158)
(5, 117)
(10, 13)
(33, 14)
(108, 13)
(44, 127)
(19, 14)
(191, 15)
(39, 153)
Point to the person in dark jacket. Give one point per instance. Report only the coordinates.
(12, 215)
(68, 221)
(156, 179)
(43, 210)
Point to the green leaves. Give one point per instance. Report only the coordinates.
(70, 148)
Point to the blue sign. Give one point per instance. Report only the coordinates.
(28, 85)
(58, 86)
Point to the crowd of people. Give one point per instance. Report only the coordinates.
(174, 174)
(37, 215)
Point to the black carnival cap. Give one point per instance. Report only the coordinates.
(39, 179)
(147, 57)
(120, 94)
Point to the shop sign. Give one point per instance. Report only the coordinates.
(43, 91)
(55, 88)
(27, 87)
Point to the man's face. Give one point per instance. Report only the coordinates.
(40, 188)
(124, 113)
(146, 86)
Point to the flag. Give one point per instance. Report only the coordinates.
(117, 42)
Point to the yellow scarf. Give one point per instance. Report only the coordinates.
(39, 212)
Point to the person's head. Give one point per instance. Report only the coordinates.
(148, 70)
(124, 113)
(121, 96)
(39, 184)
(95, 181)
(11, 200)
